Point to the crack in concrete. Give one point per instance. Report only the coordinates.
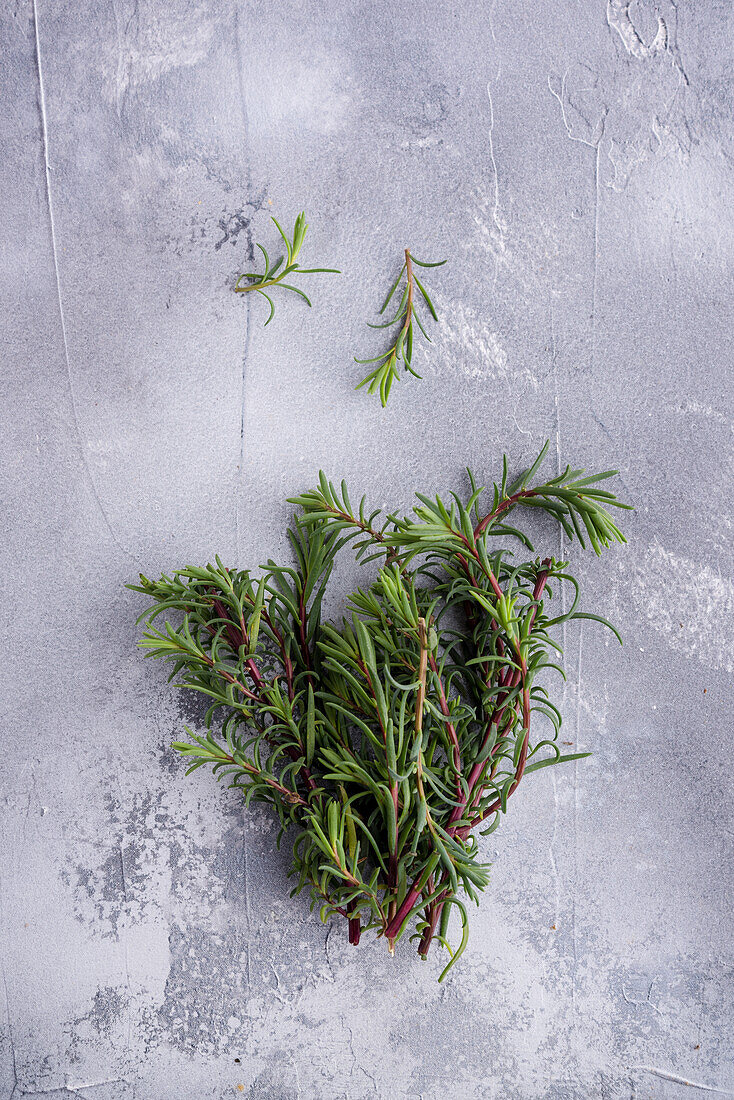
(62, 317)
(665, 1075)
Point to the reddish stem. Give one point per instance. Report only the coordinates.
(409, 901)
(433, 915)
(355, 925)
(237, 636)
(484, 523)
(450, 727)
(463, 832)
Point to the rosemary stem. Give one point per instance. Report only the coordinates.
(411, 291)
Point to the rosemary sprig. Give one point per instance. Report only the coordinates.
(388, 740)
(384, 374)
(274, 276)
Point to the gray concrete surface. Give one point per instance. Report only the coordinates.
(575, 162)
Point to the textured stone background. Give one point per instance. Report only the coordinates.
(575, 160)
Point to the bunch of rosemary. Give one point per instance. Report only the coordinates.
(387, 740)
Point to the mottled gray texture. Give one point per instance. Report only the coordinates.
(576, 160)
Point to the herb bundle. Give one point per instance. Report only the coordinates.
(388, 740)
(274, 274)
(381, 377)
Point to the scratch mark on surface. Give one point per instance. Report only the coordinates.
(551, 854)
(596, 246)
(676, 1079)
(241, 471)
(356, 1064)
(248, 917)
(687, 602)
(94, 1084)
(523, 431)
(561, 97)
(348, 1029)
(248, 312)
(576, 824)
(11, 1038)
(277, 989)
(500, 233)
(647, 1003)
(329, 930)
(62, 317)
(594, 141)
(556, 404)
(490, 24)
(701, 1011)
(126, 953)
(243, 391)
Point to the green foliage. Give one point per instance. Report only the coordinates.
(275, 274)
(387, 740)
(382, 376)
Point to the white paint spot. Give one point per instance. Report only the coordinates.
(697, 408)
(311, 96)
(470, 343)
(523, 251)
(636, 112)
(618, 18)
(153, 48)
(689, 604)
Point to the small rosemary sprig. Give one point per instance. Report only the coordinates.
(388, 740)
(274, 276)
(384, 374)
